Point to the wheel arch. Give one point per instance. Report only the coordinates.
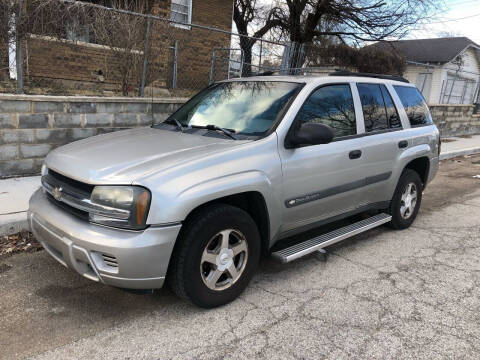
(253, 203)
(421, 166)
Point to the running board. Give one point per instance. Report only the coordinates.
(298, 250)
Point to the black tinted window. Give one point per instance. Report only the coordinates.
(331, 105)
(414, 105)
(392, 114)
(374, 113)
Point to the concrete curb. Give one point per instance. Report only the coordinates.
(14, 223)
(463, 152)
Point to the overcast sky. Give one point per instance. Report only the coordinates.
(462, 17)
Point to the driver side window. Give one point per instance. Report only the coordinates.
(331, 105)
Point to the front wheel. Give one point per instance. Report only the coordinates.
(216, 256)
(406, 200)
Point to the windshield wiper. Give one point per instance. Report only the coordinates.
(218, 128)
(175, 122)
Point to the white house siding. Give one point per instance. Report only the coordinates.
(464, 83)
(431, 90)
(440, 74)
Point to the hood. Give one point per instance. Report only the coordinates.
(124, 156)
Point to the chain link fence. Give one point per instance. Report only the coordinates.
(66, 47)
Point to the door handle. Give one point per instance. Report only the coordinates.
(403, 144)
(355, 154)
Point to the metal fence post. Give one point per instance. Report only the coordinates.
(242, 61)
(453, 84)
(145, 57)
(211, 67)
(260, 59)
(19, 48)
(464, 92)
(175, 58)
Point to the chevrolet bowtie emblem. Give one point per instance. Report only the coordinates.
(57, 193)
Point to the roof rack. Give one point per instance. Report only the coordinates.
(377, 76)
(264, 73)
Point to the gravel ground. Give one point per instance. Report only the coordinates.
(381, 295)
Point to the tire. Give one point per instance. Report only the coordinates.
(193, 275)
(402, 214)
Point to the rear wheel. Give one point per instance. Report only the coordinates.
(406, 200)
(216, 256)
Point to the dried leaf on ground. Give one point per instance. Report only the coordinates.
(21, 242)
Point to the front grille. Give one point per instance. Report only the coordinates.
(70, 209)
(71, 187)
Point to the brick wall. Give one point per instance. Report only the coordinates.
(31, 126)
(73, 68)
(50, 58)
(455, 120)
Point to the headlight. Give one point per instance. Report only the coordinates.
(44, 170)
(120, 206)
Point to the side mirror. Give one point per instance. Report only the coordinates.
(310, 134)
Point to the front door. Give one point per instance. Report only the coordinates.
(322, 181)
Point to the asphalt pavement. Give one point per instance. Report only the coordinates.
(385, 294)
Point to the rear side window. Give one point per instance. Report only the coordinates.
(415, 106)
(331, 105)
(392, 113)
(374, 113)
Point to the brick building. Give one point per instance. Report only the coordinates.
(76, 63)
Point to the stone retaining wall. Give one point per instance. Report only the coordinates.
(31, 126)
(455, 120)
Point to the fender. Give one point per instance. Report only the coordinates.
(194, 196)
(415, 152)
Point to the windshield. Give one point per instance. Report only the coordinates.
(246, 107)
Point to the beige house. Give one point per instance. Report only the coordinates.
(446, 70)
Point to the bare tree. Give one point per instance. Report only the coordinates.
(125, 36)
(248, 14)
(7, 32)
(354, 21)
(361, 20)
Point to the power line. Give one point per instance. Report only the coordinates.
(450, 20)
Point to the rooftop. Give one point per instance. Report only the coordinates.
(439, 50)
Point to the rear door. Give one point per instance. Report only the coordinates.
(382, 143)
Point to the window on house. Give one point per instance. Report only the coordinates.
(181, 11)
(424, 84)
(331, 105)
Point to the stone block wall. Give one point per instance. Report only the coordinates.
(455, 120)
(32, 126)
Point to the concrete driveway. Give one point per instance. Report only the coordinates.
(384, 294)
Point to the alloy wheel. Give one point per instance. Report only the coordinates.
(223, 259)
(408, 201)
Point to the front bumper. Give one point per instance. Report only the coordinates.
(122, 258)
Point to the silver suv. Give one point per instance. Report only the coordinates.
(197, 199)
